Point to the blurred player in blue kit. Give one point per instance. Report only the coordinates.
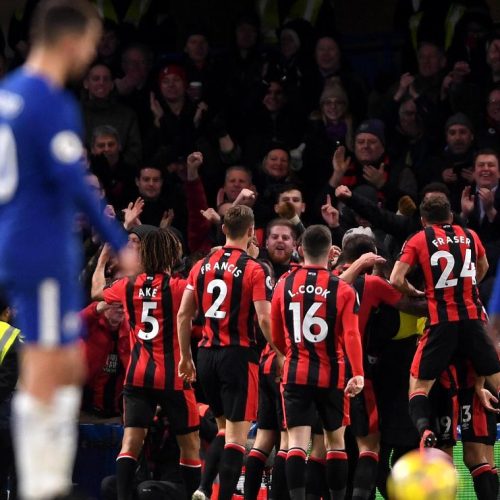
(42, 187)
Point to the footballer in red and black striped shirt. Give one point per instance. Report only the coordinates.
(448, 256)
(452, 260)
(226, 285)
(314, 322)
(151, 301)
(228, 288)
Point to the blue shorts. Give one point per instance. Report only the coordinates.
(47, 310)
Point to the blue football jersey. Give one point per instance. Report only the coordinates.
(42, 181)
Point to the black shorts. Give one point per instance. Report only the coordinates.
(270, 413)
(302, 404)
(440, 342)
(478, 425)
(229, 379)
(180, 407)
(364, 412)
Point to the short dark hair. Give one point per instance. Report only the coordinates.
(280, 221)
(489, 152)
(436, 209)
(435, 187)
(284, 188)
(53, 19)
(237, 221)
(356, 246)
(316, 241)
(139, 170)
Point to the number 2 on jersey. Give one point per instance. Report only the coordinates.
(468, 269)
(213, 310)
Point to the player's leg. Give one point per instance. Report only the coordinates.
(212, 461)
(182, 413)
(300, 414)
(364, 425)
(298, 442)
(256, 461)
(266, 437)
(316, 486)
(139, 409)
(476, 461)
(333, 407)
(479, 348)
(238, 372)
(279, 487)
(189, 460)
(46, 406)
(433, 355)
(478, 437)
(208, 378)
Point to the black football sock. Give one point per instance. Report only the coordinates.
(481, 477)
(315, 478)
(279, 488)
(420, 411)
(256, 461)
(296, 473)
(126, 465)
(494, 480)
(191, 475)
(230, 469)
(365, 476)
(212, 461)
(336, 473)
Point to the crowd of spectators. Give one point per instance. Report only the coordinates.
(289, 129)
(174, 138)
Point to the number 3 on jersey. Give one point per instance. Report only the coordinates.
(468, 269)
(219, 287)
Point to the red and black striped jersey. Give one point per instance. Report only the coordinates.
(151, 304)
(372, 292)
(226, 284)
(448, 256)
(314, 322)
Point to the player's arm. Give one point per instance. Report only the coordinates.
(263, 311)
(277, 326)
(365, 262)
(99, 276)
(481, 268)
(352, 343)
(187, 311)
(387, 294)
(398, 280)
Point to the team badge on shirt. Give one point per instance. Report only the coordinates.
(66, 147)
